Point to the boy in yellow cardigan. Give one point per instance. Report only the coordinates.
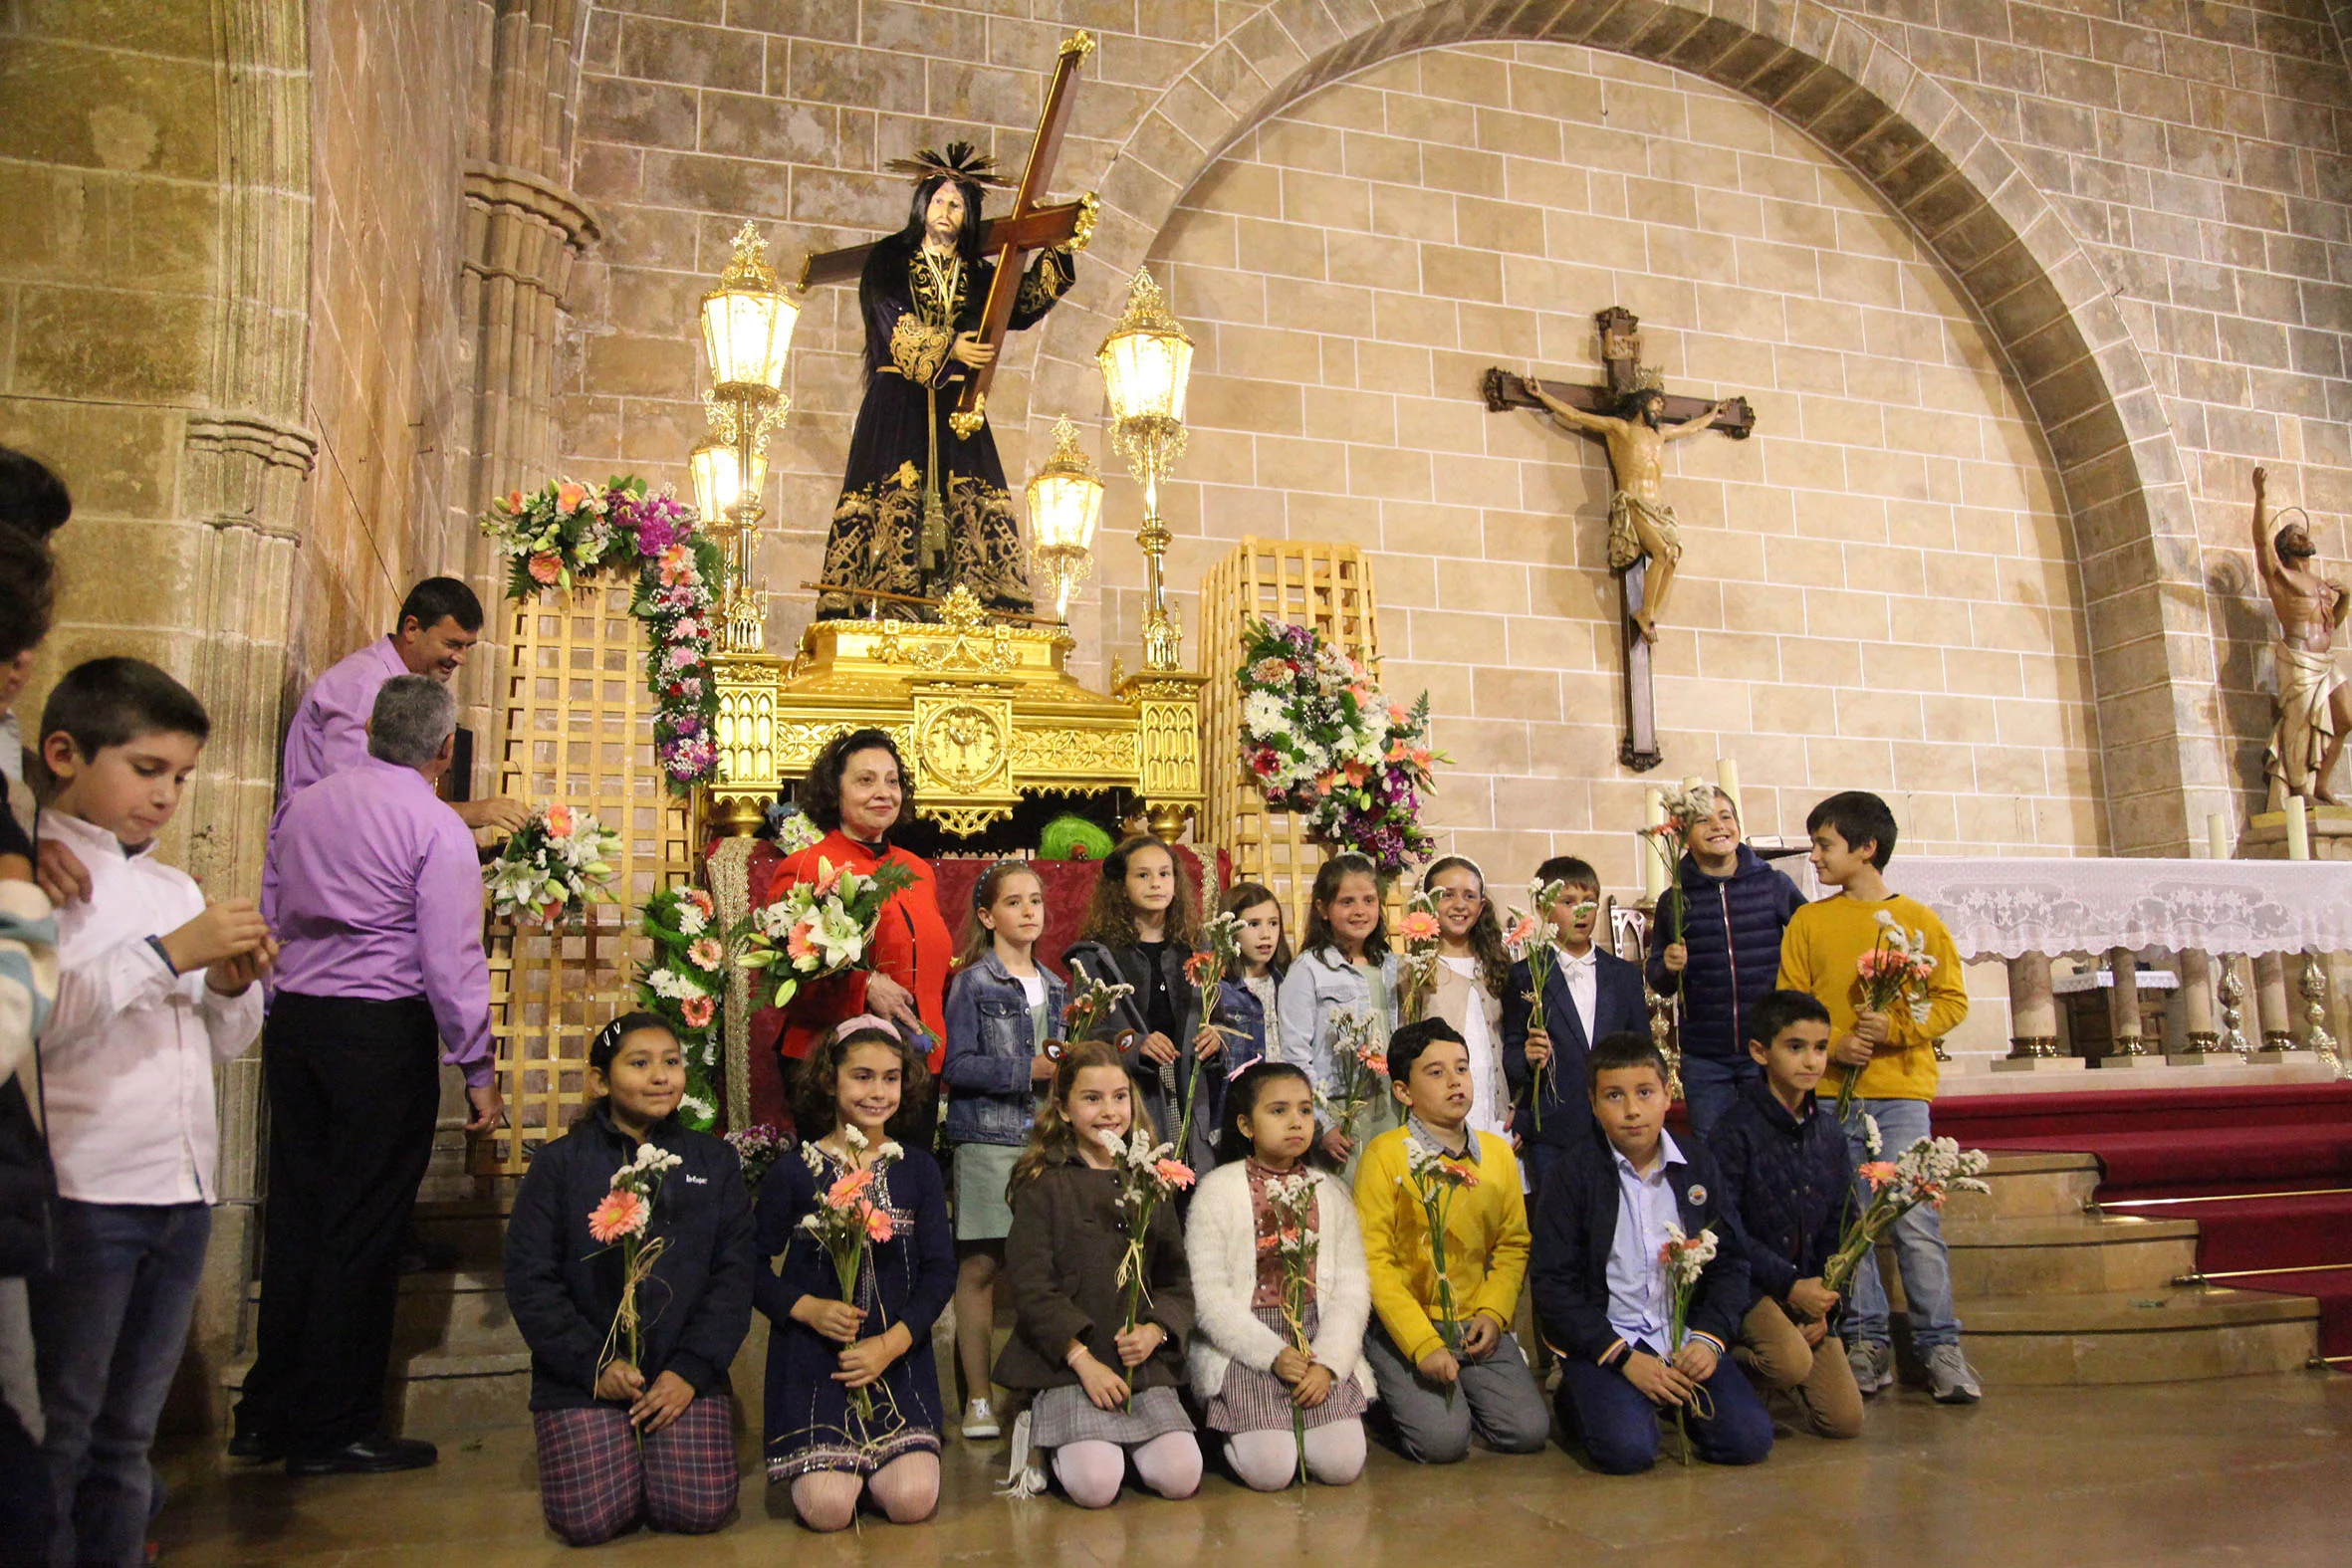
(1438, 1387)
(1894, 1053)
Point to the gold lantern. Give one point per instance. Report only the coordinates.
(719, 491)
(1064, 506)
(1146, 363)
(747, 330)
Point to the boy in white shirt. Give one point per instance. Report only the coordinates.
(157, 986)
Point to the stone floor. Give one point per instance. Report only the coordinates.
(2250, 1469)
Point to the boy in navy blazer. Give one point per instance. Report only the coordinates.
(1590, 993)
(1604, 1302)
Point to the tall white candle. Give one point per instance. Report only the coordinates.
(1653, 868)
(2298, 828)
(2217, 835)
(1726, 778)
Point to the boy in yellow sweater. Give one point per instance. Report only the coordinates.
(1894, 1054)
(1420, 1362)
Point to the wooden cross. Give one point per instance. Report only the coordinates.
(1620, 337)
(1030, 226)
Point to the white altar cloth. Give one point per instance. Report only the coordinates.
(2001, 908)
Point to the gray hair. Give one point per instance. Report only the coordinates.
(414, 717)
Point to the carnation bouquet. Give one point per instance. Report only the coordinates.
(1148, 1173)
(1529, 941)
(1894, 972)
(1416, 959)
(1318, 738)
(1928, 1172)
(1684, 1259)
(821, 926)
(1206, 970)
(566, 534)
(1359, 1058)
(1685, 806)
(1289, 1200)
(557, 863)
(848, 1220)
(1092, 1004)
(1434, 1179)
(621, 1217)
(685, 983)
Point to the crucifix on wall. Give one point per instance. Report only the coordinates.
(1635, 416)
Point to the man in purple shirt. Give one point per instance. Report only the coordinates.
(439, 623)
(374, 892)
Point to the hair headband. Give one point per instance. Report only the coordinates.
(980, 887)
(868, 1020)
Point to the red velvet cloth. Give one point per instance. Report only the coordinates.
(1068, 886)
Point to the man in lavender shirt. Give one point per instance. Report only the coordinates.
(438, 624)
(374, 892)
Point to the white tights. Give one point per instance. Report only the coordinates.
(907, 1489)
(1091, 1472)
(1268, 1460)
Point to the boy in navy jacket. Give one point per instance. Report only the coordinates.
(1783, 1173)
(1604, 1299)
(1588, 993)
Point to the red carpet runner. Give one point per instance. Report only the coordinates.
(2273, 1166)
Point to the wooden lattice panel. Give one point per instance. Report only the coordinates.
(577, 726)
(1326, 587)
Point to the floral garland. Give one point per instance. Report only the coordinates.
(1319, 737)
(684, 984)
(566, 533)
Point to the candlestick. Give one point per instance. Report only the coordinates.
(1653, 812)
(2217, 835)
(2298, 828)
(1726, 778)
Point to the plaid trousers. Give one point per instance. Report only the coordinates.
(595, 1480)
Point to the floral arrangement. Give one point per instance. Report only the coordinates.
(1928, 1172)
(1894, 972)
(621, 1218)
(685, 983)
(1529, 941)
(556, 864)
(1318, 738)
(1685, 1259)
(1091, 1002)
(566, 533)
(821, 926)
(758, 1147)
(1416, 959)
(848, 1220)
(1686, 806)
(1148, 1173)
(1433, 1180)
(792, 828)
(1206, 970)
(1360, 1056)
(1289, 1200)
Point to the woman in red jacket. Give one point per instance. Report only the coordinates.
(857, 793)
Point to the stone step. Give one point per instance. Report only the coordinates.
(2073, 1255)
(470, 1230)
(460, 1314)
(431, 1396)
(2027, 1185)
(2136, 1336)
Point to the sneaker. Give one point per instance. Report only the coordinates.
(1873, 1364)
(980, 1421)
(1951, 1377)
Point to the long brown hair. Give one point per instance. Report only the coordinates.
(1334, 871)
(1486, 934)
(979, 940)
(1243, 897)
(1111, 920)
(816, 1106)
(1051, 1138)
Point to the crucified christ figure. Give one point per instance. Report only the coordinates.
(2314, 706)
(1640, 521)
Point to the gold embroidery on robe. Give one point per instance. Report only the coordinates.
(919, 349)
(877, 530)
(1045, 283)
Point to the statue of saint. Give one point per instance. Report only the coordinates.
(1641, 523)
(922, 508)
(2314, 707)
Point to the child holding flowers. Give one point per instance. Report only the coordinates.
(1283, 1297)
(635, 1425)
(1105, 1393)
(852, 1399)
(1585, 993)
(1001, 1008)
(1140, 927)
(1344, 968)
(1891, 1057)
(1442, 1351)
(1247, 999)
(1635, 1340)
(1473, 975)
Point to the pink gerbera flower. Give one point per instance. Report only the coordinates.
(696, 1010)
(621, 1214)
(1419, 926)
(879, 1227)
(547, 568)
(559, 820)
(1174, 1172)
(706, 952)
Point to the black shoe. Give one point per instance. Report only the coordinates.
(256, 1448)
(370, 1455)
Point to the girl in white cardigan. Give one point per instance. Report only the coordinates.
(1255, 1385)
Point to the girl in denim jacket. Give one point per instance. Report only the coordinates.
(1002, 1009)
(1345, 965)
(1246, 1007)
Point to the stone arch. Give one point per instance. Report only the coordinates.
(2012, 253)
